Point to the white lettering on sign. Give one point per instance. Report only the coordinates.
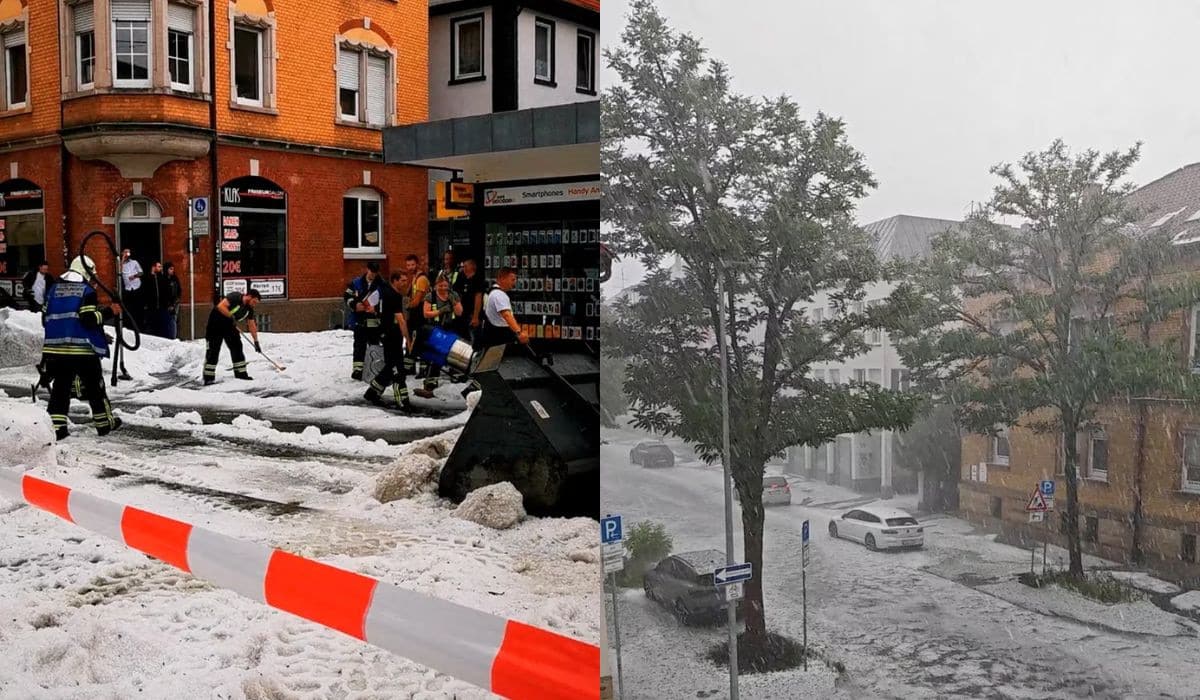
(231, 246)
(231, 195)
(535, 194)
(231, 221)
(230, 234)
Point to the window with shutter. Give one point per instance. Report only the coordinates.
(131, 42)
(15, 64)
(377, 90)
(348, 83)
(84, 21)
(181, 28)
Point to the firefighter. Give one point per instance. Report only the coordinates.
(74, 344)
(441, 309)
(417, 290)
(364, 323)
(394, 317)
(222, 328)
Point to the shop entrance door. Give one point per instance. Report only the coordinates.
(144, 241)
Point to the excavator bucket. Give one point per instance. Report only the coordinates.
(537, 426)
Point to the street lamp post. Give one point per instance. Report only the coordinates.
(731, 607)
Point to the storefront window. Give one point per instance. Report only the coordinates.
(22, 233)
(254, 236)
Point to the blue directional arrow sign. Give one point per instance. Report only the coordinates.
(610, 529)
(734, 573)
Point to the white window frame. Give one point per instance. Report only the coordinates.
(1185, 484)
(590, 88)
(1092, 472)
(79, 84)
(875, 376)
(260, 35)
(8, 71)
(818, 315)
(189, 86)
(362, 98)
(133, 82)
(540, 24)
(456, 23)
(998, 458)
(874, 335)
(1192, 347)
(361, 194)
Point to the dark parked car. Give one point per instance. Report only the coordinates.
(652, 454)
(683, 583)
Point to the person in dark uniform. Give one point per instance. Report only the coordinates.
(500, 327)
(364, 323)
(74, 344)
(393, 312)
(470, 287)
(222, 328)
(417, 290)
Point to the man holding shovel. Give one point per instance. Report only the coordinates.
(222, 328)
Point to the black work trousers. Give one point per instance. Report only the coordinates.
(222, 329)
(63, 370)
(396, 366)
(364, 335)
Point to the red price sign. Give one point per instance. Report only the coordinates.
(231, 267)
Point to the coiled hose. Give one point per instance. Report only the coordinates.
(123, 318)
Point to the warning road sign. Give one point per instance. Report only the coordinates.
(1037, 503)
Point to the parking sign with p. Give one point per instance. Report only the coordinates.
(610, 529)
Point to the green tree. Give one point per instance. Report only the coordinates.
(1041, 324)
(746, 190)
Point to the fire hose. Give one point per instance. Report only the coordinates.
(122, 318)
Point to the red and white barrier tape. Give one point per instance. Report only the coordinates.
(507, 657)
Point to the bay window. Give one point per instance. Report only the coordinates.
(131, 43)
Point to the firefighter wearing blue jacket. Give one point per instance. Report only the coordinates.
(359, 318)
(74, 344)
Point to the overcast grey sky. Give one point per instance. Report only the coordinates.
(934, 93)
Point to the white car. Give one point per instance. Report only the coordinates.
(776, 491)
(879, 527)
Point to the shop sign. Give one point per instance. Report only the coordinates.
(230, 286)
(542, 194)
(460, 195)
(20, 195)
(270, 288)
(253, 193)
(231, 246)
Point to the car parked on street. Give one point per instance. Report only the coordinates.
(879, 527)
(652, 454)
(683, 583)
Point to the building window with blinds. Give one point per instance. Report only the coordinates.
(15, 64)
(543, 52)
(181, 32)
(131, 43)
(83, 18)
(585, 62)
(363, 87)
(248, 65)
(361, 222)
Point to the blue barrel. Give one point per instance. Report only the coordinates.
(445, 348)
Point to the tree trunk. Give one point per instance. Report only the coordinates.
(1136, 555)
(753, 517)
(1071, 458)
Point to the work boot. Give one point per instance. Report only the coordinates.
(423, 393)
(406, 406)
(373, 397)
(208, 380)
(61, 433)
(105, 430)
(356, 375)
(125, 376)
(243, 376)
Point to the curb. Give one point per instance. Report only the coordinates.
(509, 658)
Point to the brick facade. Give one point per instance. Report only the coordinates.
(299, 144)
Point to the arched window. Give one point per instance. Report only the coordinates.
(362, 222)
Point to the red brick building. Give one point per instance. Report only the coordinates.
(114, 113)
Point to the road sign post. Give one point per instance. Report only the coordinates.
(611, 536)
(197, 226)
(804, 585)
(1040, 503)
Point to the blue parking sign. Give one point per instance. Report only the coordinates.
(610, 529)
(804, 532)
(1047, 487)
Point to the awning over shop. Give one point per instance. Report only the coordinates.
(544, 142)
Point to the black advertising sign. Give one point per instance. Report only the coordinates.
(20, 195)
(253, 193)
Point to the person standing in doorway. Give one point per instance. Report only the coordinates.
(470, 288)
(173, 293)
(34, 283)
(222, 328)
(131, 287)
(153, 292)
(500, 327)
(362, 293)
